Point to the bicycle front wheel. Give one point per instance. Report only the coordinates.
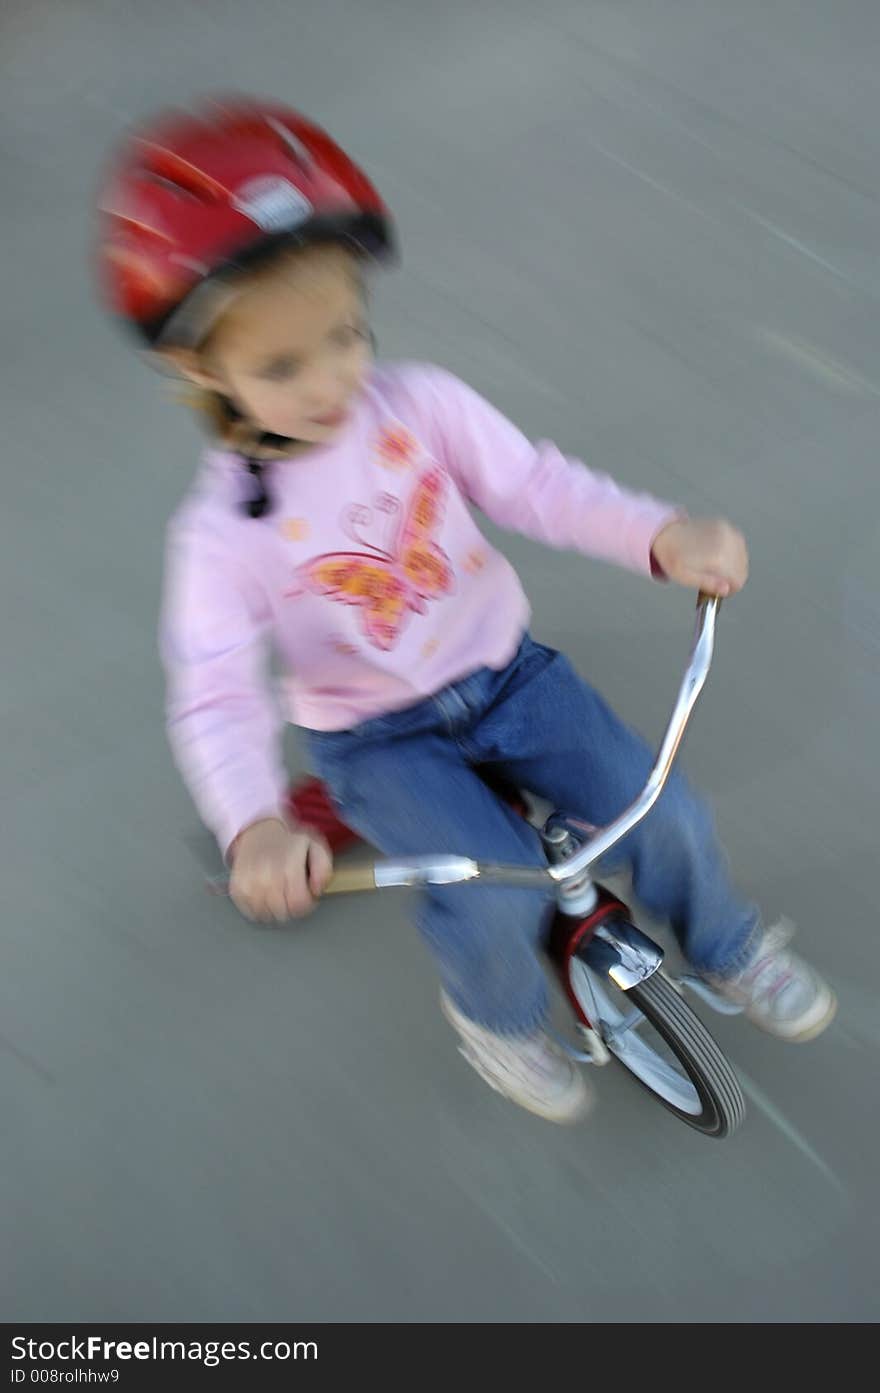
(656, 1036)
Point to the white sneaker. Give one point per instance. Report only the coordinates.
(779, 991)
(530, 1070)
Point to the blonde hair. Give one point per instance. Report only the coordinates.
(209, 405)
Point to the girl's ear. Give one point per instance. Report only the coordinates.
(186, 363)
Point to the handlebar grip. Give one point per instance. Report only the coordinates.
(347, 880)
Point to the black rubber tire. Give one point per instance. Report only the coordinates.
(724, 1106)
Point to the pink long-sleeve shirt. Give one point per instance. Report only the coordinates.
(369, 575)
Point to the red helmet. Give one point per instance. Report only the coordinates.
(190, 199)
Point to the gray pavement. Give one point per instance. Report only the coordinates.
(650, 233)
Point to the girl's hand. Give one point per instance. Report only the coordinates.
(709, 555)
(278, 871)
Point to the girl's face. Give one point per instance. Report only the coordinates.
(293, 349)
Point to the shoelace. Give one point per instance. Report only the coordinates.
(496, 1070)
(775, 968)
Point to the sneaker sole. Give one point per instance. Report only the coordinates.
(805, 1033)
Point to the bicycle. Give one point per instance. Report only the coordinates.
(625, 1006)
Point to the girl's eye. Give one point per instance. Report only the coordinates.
(280, 370)
(348, 334)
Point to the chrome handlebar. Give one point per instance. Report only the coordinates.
(450, 870)
(692, 685)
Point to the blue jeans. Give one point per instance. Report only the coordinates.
(406, 783)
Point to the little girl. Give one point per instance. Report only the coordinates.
(330, 517)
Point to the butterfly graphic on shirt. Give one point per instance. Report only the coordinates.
(387, 583)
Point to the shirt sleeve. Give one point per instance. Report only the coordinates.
(223, 723)
(536, 490)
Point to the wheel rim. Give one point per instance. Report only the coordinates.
(640, 1048)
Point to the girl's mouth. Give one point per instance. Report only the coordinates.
(333, 418)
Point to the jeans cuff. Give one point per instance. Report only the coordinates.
(740, 959)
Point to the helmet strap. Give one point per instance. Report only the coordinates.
(261, 503)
